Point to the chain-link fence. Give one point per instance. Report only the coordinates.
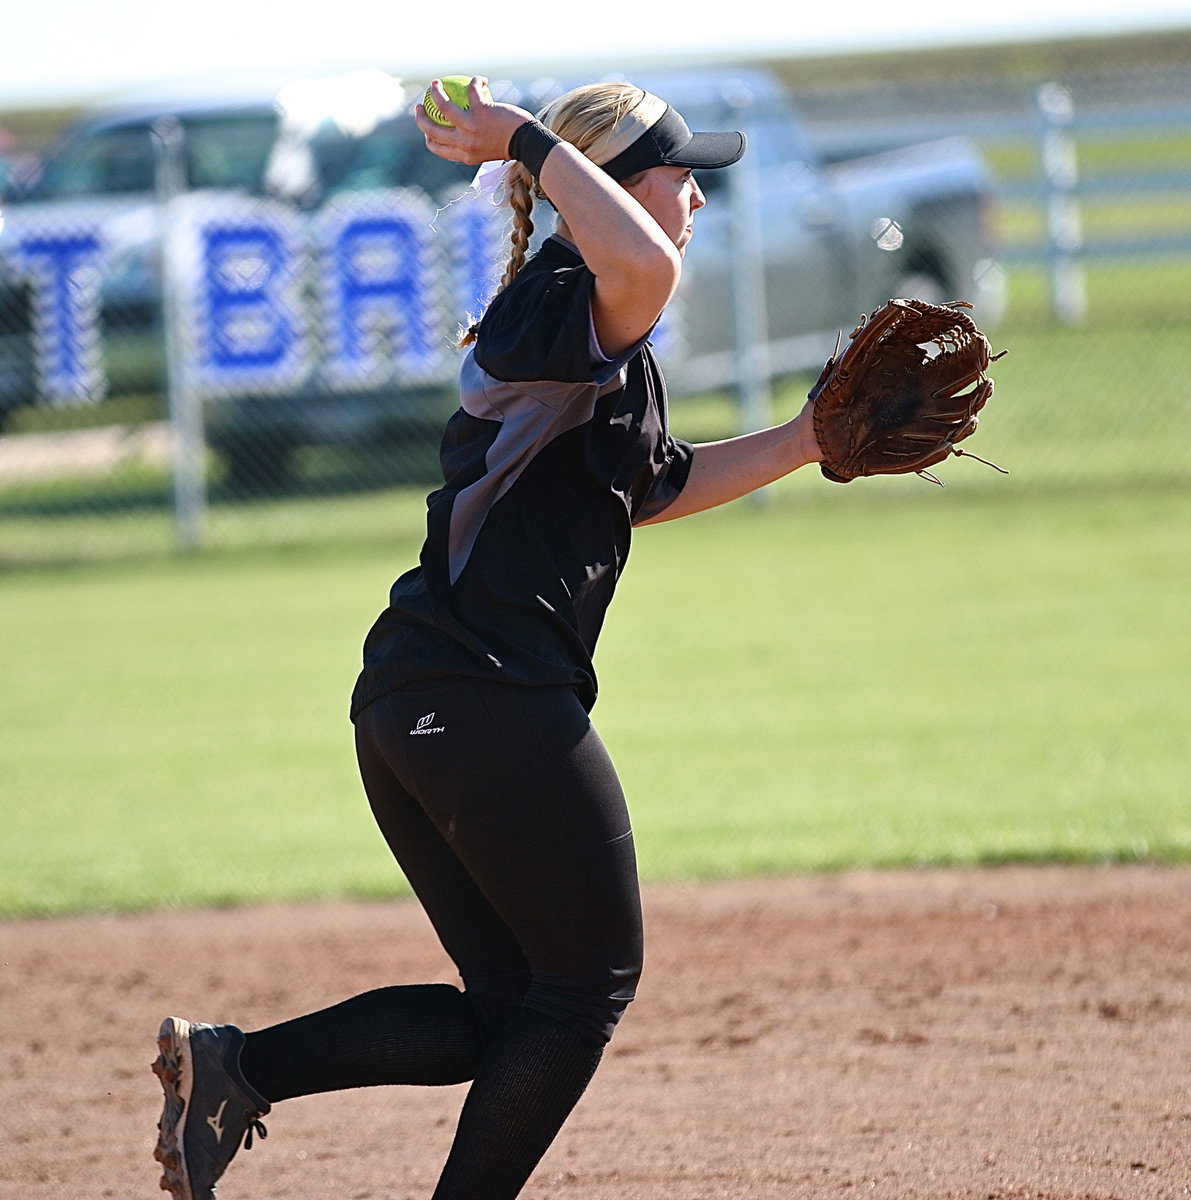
(227, 321)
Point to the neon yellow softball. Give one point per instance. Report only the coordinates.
(455, 87)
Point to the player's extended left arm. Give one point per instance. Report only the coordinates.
(727, 470)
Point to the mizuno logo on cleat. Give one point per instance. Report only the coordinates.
(216, 1122)
(426, 725)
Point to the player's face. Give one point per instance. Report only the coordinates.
(672, 197)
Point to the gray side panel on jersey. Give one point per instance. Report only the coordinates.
(531, 415)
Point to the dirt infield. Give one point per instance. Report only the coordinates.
(992, 1035)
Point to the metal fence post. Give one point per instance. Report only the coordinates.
(749, 307)
(184, 405)
(1064, 225)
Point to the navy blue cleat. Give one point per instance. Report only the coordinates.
(210, 1109)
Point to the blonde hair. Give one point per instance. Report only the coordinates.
(584, 117)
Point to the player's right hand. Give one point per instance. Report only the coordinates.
(477, 134)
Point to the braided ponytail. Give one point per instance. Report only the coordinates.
(523, 189)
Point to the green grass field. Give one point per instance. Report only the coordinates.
(833, 678)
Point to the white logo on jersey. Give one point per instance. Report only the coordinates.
(426, 725)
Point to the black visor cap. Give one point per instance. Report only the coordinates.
(670, 143)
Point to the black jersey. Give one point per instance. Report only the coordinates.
(554, 453)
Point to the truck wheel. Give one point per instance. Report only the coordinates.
(257, 466)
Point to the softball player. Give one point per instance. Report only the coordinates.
(480, 762)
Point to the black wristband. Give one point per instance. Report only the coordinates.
(531, 143)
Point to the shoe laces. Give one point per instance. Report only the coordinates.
(257, 1126)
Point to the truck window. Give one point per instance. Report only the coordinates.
(220, 153)
(229, 152)
(111, 161)
(393, 154)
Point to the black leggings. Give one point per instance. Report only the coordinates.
(505, 813)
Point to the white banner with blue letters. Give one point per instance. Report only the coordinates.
(367, 293)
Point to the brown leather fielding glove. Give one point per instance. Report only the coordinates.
(893, 401)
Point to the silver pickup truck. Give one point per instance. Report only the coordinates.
(82, 263)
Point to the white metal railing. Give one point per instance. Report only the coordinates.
(1056, 123)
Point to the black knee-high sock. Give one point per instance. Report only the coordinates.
(529, 1080)
(421, 1034)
